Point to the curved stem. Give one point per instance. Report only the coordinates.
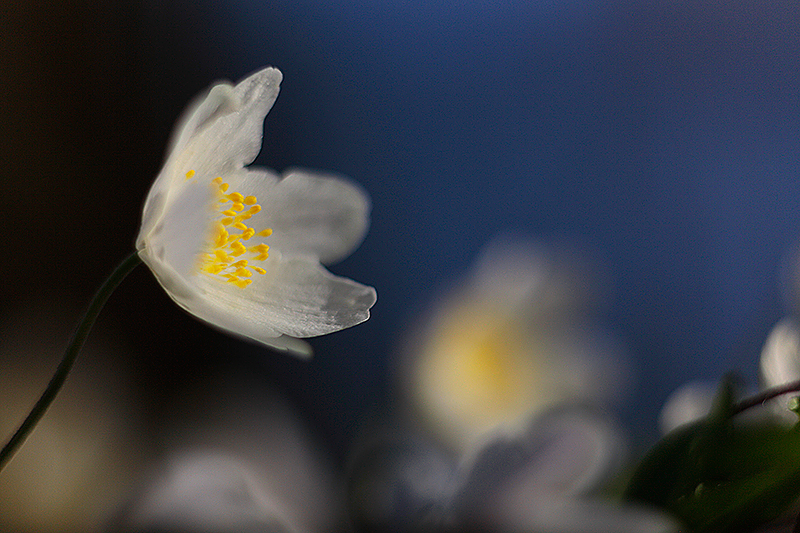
(769, 394)
(71, 354)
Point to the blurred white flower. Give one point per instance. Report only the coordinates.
(507, 344)
(208, 491)
(574, 453)
(780, 356)
(241, 248)
(239, 458)
(688, 403)
(545, 480)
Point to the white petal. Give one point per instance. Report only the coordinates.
(251, 97)
(297, 347)
(221, 134)
(780, 356)
(182, 230)
(311, 214)
(296, 297)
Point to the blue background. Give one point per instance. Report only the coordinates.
(662, 137)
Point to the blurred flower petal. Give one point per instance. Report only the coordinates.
(240, 452)
(207, 492)
(509, 342)
(689, 403)
(567, 453)
(780, 356)
(399, 483)
(547, 513)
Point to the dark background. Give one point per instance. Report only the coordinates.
(661, 137)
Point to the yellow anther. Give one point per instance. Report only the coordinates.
(221, 237)
(190, 174)
(222, 258)
(214, 269)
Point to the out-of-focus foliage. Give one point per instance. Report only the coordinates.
(720, 475)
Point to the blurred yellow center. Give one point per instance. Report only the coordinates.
(486, 370)
(227, 258)
(480, 366)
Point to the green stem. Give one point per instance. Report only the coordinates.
(769, 394)
(71, 354)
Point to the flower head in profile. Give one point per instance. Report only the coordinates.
(242, 248)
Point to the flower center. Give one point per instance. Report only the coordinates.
(224, 259)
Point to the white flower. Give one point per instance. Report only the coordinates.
(240, 248)
(548, 479)
(687, 404)
(505, 345)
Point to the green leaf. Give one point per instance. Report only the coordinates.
(718, 476)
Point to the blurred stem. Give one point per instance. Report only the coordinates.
(769, 394)
(71, 354)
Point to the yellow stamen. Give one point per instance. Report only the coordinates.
(221, 237)
(190, 174)
(224, 248)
